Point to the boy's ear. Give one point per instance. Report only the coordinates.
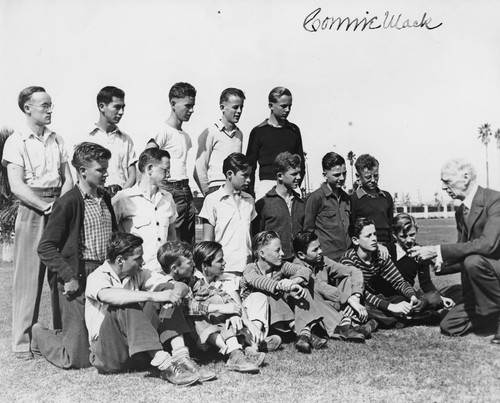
(355, 240)
(301, 255)
(83, 171)
(149, 169)
(222, 107)
(229, 173)
(261, 253)
(101, 106)
(279, 176)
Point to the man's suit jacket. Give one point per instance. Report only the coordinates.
(480, 234)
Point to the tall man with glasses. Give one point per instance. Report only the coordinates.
(36, 160)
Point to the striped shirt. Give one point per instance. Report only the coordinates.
(97, 228)
(254, 280)
(378, 268)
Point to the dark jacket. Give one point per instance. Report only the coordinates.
(59, 248)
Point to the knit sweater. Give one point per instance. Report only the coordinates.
(378, 268)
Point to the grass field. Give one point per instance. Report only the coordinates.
(413, 364)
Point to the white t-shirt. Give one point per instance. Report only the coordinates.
(177, 143)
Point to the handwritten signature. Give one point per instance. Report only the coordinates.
(315, 22)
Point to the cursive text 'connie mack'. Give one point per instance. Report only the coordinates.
(315, 22)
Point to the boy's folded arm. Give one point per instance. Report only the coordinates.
(260, 282)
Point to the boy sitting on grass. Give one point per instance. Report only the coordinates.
(122, 318)
(337, 288)
(291, 306)
(388, 311)
(216, 316)
(404, 231)
(209, 260)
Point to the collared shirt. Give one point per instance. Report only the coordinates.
(378, 207)
(200, 292)
(215, 144)
(231, 226)
(146, 217)
(329, 217)
(105, 277)
(467, 202)
(41, 157)
(97, 227)
(177, 143)
(275, 214)
(123, 153)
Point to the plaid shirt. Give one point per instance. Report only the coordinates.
(97, 228)
(200, 291)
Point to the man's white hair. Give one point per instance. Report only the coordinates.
(459, 165)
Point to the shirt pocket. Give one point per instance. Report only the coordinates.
(329, 219)
(139, 222)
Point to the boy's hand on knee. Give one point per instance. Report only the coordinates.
(402, 308)
(71, 286)
(297, 292)
(236, 322)
(447, 302)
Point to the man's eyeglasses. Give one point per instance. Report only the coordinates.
(45, 107)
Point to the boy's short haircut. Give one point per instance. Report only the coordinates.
(170, 253)
(87, 152)
(25, 95)
(277, 92)
(204, 252)
(262, 239)
(151, 156)
(181, 90)
(357, 226)
(365, 161)
(403, 222)
(302, 240)
(235, 162)
(331, 160)
(106, 94)
(122, 244)
(285, 161)
(224, 96)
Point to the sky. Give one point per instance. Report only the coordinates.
(412, 97)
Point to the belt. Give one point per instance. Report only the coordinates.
(47, 192)
(177, 184)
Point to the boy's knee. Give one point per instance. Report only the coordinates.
(473, 263)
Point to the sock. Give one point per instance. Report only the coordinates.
(162, 360)
(232, 344)
(180, 353)
(306, 332)
(346, 321)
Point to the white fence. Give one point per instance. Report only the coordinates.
(448, 212)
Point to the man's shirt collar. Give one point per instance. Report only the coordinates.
(27, 132)
(223, 129)
(467, 202)
(97, 128)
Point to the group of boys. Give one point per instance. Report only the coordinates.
(332, 266)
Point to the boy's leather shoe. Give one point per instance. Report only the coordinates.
(179, 376)
(347, 333)
(318, 342)
(496, 337)
(189, 365)
(239, 362)
(254, 356)
(270, 343)
(303, 344)
(368, 328)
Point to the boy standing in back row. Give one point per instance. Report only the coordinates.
(122, 172)
(177, 142)
(328, 209)
(218, 141)
(370, 201)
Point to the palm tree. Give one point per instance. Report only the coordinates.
(484, 135)
(497, 136)
(351, 157)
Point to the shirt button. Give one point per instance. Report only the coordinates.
(157, 223)
(159, 239)
(156, 208)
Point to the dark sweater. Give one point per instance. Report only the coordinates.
(379, 208)
(273, 215)
(266, 142)
(59, 248)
